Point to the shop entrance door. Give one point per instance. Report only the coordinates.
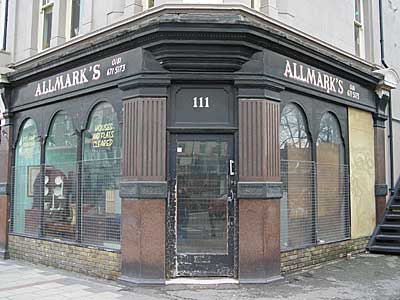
(201, 205)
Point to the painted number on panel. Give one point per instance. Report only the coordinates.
(200, 102)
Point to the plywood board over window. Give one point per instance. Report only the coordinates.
(362, 173)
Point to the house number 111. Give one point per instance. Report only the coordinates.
(198, 102)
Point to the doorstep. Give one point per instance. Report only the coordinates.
(202, 281)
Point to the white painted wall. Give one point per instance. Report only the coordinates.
(329, 20)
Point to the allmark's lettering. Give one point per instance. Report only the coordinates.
(68, 80)
(313, 77)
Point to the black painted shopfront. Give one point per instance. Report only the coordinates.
(164, 142)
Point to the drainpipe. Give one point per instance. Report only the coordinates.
(390, 136)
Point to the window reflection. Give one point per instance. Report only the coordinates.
(202, 193)
(26, 171)
(101, 166)
(293, 129)
(297, 171)
(59, 180)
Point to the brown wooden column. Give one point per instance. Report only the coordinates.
(259, 191)
(380, 167)
(143, 190)
(5, 180)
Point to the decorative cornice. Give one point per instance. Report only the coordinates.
(259, 87)
(259, 190)
(210, 55)
(138, 190)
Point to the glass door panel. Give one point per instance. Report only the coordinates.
(202, 194)
(201, 206)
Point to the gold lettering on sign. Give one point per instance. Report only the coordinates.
(103, 136)
(308, 75)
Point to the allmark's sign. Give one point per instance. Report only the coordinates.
(68, 80)
(102, 71)
(309, 75)
(78, 77)
(319, 79)
(292, 70)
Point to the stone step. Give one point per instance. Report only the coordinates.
(384, 249)
(388, 237)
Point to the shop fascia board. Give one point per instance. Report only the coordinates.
(156, 19)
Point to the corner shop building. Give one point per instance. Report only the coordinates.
(191, 143)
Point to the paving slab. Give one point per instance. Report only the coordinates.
(367, 276)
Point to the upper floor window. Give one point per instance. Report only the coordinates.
(75, 17)
(359, 28)
(46, 19)
(3, 23)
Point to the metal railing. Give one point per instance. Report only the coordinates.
(315, 204)
(77, 202)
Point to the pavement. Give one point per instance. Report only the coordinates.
(366, 276)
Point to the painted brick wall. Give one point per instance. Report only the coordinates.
(296, 260)
(81, 259)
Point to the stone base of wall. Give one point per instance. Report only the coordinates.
(70, 257)
(300, 259)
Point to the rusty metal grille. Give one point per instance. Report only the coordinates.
(315, 204)
(76, 202)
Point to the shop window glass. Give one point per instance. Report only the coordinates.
(26, 173)
(101, 167)
(332, 191)
(294, 140)
(297, 177)
(59, 181)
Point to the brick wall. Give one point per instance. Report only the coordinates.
(295, 260)
(107, 264)
(70, 257)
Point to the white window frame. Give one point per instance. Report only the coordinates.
(49, 4)
(359, 25)
(69, 20)
(256, 5)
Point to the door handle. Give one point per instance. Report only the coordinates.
(231, 196)
(231, 167)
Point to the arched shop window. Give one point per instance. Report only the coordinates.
(332, 190)
(101, 167)
(60, 180)
(26, 190)
(294, 139)
(296, 172)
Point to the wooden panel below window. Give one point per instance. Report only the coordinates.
(259, 157)
(144, 138)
